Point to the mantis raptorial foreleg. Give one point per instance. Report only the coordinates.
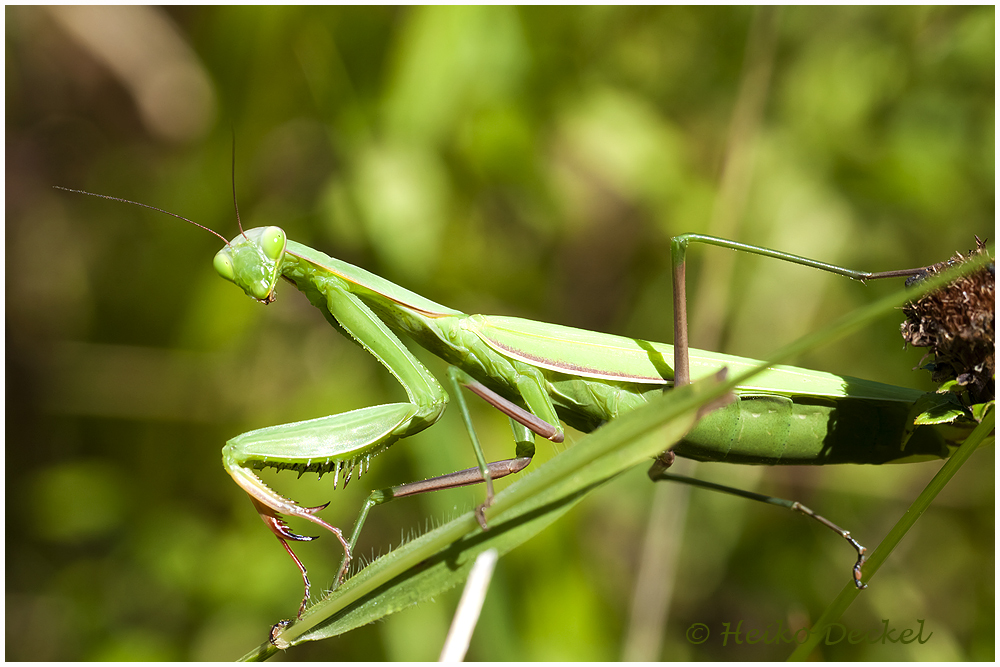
(341, 442)
(338, 443)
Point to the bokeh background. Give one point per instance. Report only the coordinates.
(530, 162)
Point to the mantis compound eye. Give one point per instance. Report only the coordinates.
(272, 242)
(224, 265)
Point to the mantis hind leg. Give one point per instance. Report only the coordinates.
(682, 376)
(678, 260)
(658, 473)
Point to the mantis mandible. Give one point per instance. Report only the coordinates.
(542, 375)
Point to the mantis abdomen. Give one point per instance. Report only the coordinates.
(771, 429)
(806, 430)
(789, 416)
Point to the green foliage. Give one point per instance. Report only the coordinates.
(529, 162)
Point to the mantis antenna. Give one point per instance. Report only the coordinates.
(235, 205)
(154, 208)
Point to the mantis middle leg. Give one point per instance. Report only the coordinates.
(524, 425)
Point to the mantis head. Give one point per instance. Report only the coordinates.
(252, 261)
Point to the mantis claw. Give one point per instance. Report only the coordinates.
(317, 508)
(277, 524)
(481, 514)
(660, 464)
(273, 520)
(276, 629)
(861, 561)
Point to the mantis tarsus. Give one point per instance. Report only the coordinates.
(540, 375)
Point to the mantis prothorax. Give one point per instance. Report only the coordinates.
(540, 375)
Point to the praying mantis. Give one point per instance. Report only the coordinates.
(542, 375)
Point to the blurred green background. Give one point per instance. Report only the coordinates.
(529, 162)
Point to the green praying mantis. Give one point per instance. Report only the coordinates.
(543, 375)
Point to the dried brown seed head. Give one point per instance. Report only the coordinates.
(957, 324)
